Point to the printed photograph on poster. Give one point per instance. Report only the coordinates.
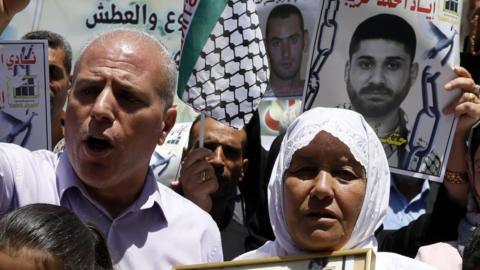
(389, 61)
(24, 94)
(287, 27)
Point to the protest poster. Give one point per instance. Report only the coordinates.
(80, 21)
(166, 159)
(24, 94)
(275, 115)
(390, 60)
(287, 28)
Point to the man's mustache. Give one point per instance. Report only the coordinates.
(379, 89)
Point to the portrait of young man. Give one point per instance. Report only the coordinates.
(286, 40)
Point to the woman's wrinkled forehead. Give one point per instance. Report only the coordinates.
(354, 139)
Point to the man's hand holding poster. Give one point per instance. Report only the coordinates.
(389, 60)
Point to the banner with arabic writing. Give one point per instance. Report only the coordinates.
(79, 21)
(24, 96)
(389, 60)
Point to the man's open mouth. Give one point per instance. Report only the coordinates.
(97, 144)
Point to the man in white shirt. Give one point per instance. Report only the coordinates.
(119, 108)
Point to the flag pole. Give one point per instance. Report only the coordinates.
(202, 130)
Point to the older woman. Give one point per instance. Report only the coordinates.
(329, 188)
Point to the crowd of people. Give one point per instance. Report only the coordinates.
(324, 185)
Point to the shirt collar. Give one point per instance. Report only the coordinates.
(149, 198)
(423, 192)
(66, 176)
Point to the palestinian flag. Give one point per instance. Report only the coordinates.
(223, 66)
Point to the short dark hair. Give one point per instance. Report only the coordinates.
(58, 233)
(385, 26)
(191, 139)
(55, 41)
(190, 133)
(283, 12)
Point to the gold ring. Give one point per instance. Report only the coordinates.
(476, 90)
(470, 97)
(204, 177)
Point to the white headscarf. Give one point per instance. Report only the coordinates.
(352, 129)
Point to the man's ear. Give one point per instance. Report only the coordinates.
(346, 71)
(413, 73)
(169, 118)
(244, 169)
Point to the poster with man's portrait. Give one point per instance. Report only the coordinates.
(389, 61)
(287, 28)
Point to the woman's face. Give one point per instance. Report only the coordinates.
(324, 191)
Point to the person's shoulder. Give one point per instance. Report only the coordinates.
(443, 255)
(268, 92)
(29, 175)
(11, 148)
(18, 153)
(431, 252)
(389, 260)
(262, 252)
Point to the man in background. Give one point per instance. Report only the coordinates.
(225, 179)
(59, 67)
(210, 178)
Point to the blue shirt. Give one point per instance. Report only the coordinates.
(401, 211)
